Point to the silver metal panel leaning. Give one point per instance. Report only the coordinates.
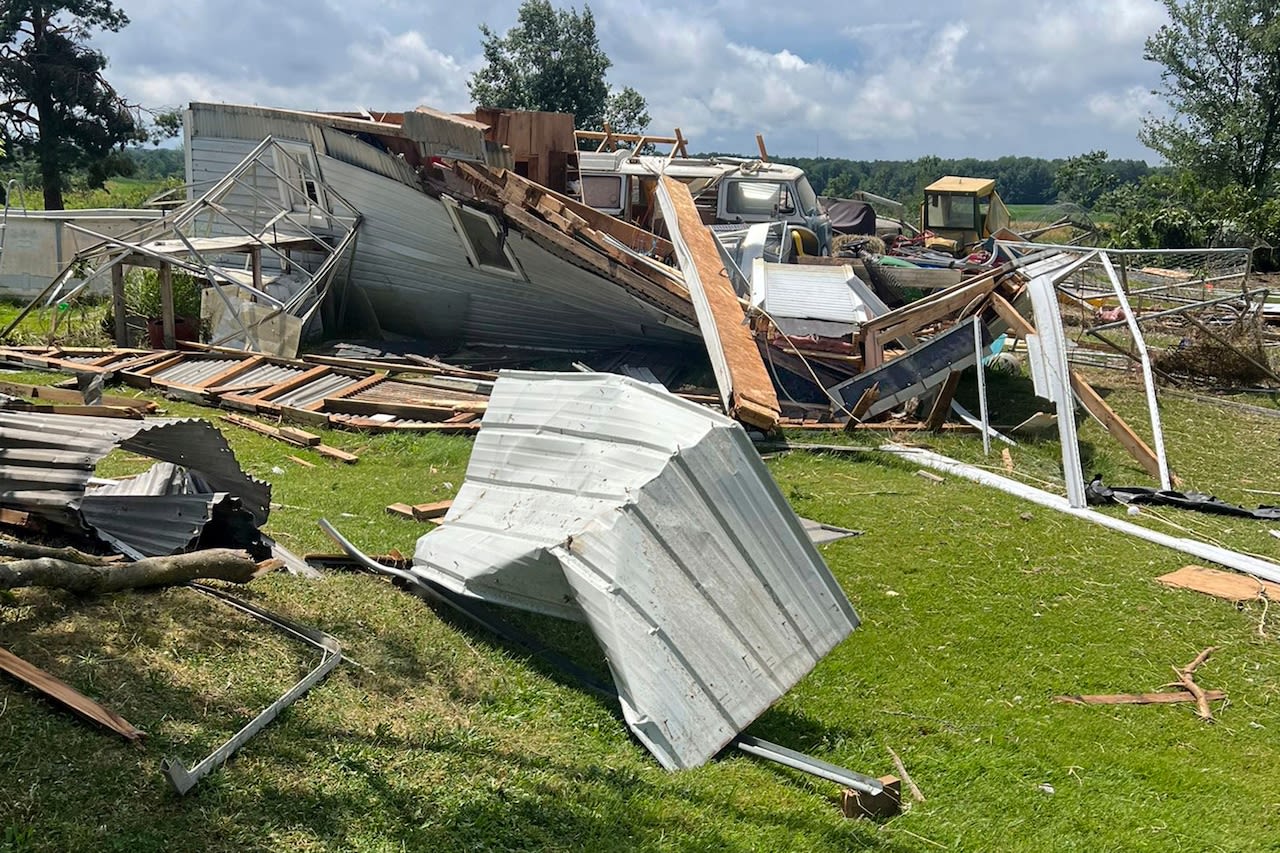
(599, 498)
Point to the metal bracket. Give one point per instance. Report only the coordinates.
(182, 779)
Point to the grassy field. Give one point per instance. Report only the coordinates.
(977, 610)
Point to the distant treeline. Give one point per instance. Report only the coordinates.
(157, 163)
(1019, 180)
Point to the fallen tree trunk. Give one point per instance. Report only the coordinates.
(212, 564)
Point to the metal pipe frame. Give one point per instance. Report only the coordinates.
(182, 779)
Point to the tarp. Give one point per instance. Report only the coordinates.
(849, 216)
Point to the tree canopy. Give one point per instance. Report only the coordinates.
(1221, 79)
(552, 60)
(55, 103)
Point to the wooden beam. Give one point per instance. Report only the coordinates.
(764, 153)
(166, 305)
(942, 402)
(119, 313)
(1089, 398)
(746, 389)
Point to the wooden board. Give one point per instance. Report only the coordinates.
(750, 396)
(1225, 585)
(66, 695)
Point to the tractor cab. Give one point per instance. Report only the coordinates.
(960, 212)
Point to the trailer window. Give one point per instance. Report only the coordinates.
(482, 240)
(604, 192)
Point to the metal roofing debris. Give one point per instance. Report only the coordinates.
(47, 461)
(602, 499)
(1047, 352)
(1247, 563)
(813, 293)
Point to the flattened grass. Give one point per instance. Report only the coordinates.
(977, 609)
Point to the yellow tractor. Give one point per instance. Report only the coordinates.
(960, 212)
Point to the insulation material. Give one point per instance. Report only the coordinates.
(606, 500)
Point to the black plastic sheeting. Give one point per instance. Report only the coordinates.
(1097, 494)
(849, 216)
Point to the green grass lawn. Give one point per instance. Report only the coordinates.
(977, 609)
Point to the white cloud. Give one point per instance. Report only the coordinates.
(883, 80)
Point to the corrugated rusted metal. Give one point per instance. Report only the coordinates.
(603, 499)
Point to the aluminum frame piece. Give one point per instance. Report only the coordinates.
(599, 498)
(182, 779)
(47, 463)
(1052, 373)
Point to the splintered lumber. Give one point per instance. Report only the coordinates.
(886, 804)
(289, 435)
(222, 564)
(402, 510)
(1226, 585)
(865, 402)
(1007, 458)
(50, 394)
(297, 436)
(67, 696)
(942, 402)
(420, 512)
(745, 387)
(14, 517)
(1167, 698)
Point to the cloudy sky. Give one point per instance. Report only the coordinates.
(877, 80)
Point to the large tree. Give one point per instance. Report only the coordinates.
(1221, 79)
(55, 103)
(552, 60)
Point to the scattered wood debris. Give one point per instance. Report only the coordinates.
(1164, 698)
(68, 696)
(1189, 684)
(1189, 692)
(293, 436)
(420, 512)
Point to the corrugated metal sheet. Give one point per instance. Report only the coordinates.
(194, 371)
(46, 462)
(127, 514)
(599, 498)
(808, 292)
(316, 390)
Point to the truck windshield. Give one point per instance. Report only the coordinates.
(807, 197)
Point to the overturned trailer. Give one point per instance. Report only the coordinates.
(434, 263)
